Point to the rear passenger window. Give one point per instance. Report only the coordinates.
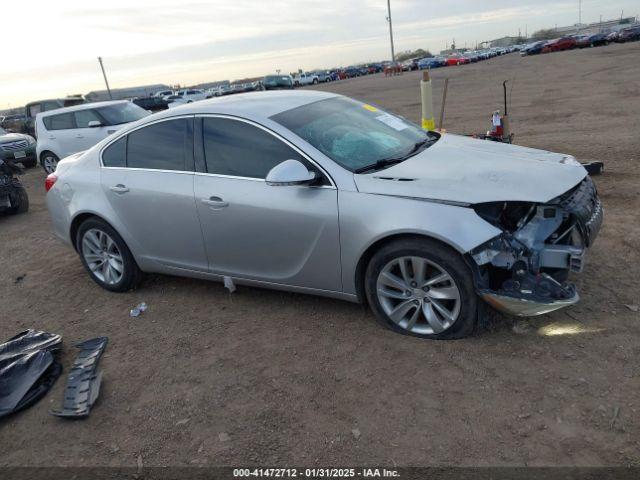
(64, 121)
(115, 155)
(160, 146)
(239, 149)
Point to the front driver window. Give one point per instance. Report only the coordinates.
(239, 149)
(83, 117)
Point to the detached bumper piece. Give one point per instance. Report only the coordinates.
(83, 382)
(528, 295)
(525, 306)
(28, 369)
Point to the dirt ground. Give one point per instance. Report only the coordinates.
(260, 377)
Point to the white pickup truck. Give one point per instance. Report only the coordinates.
(305, 79)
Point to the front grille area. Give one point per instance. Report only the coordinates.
(583, 203)
(14, 146)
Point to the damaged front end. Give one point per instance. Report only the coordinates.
(524, 270)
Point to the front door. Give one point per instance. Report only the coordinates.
(87, 137)
(285, 235)
(147, 176)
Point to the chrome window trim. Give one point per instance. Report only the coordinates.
(122, 134)
(213, 115)
(134, 169)
(252, 179)
(275, 135)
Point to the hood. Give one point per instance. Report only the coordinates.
(13, 137)
(467, 170)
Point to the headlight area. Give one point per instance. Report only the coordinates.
(524, 270)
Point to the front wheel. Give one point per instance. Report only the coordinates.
(23, 202)
(49, 162)
(106, 257)
(422, 288)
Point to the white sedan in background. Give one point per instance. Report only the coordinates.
(188, 95)
(69, 130)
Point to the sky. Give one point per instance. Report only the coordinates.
(52, 51)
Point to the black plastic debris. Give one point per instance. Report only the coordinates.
(83, 382)
(28, 369)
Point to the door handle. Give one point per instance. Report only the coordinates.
(79, 135)
(215, 202)
(119, 188)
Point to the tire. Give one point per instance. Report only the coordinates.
(89, 242)
(451, 290)
(30, 164)
(315, 81)
(49, 161)
(23, 202)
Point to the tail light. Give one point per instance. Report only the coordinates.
(50, 181)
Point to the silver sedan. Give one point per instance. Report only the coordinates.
(322, 194)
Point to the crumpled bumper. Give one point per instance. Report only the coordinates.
(526, 307)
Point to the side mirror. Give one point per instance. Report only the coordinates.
(94, 124)
(290, 172)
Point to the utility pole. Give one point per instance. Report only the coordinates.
(579, 13)
(105, 78)
(393, 54)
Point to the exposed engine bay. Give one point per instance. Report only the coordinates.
(524, 270)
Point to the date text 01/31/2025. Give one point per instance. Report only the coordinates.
(315, 473)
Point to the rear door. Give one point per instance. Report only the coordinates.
(61, 134)
(285, 235)
(147, 176)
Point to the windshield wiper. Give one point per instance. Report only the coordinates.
(386, 162)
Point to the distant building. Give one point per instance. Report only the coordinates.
(597, 27)
(505, 41)
(208, 85)
(450, 51)
(246, 80)
(124, 93)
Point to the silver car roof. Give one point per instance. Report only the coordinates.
(253, 105)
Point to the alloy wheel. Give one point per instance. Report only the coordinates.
(49, 163)
(418, 295)
(102, 256)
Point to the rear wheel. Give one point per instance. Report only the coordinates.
(422, 288)
(106, 257)
(49, 162)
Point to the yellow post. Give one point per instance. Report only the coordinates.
(428, 122)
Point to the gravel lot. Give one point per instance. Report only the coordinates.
(260, 377)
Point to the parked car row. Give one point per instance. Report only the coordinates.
(570, 42)
(461, 58)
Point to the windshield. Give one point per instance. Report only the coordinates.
(122, 113)
(353, 134)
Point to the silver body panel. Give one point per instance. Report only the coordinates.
(299, 238)
(467, 170)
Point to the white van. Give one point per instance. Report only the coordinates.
(66, 131)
